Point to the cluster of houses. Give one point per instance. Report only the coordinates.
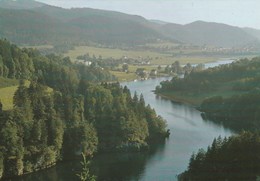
(137, 61)
(141, 72)
(85, 62)
(145, 74)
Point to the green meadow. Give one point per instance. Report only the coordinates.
(157, 58)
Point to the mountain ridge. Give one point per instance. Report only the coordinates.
(209, 33)
(20, 4)
(82, 25)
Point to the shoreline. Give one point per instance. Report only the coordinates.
(178, 100)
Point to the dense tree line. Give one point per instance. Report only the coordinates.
(236, 158)
(240, 79)
(177, 69)
(51, 69)
(66, 110)
(238, 112)
(242, 75)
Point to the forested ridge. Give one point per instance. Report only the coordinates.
(66, 110)
(72, 27)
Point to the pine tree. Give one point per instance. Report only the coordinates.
(85, 174)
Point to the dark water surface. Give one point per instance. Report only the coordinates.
(164, 161)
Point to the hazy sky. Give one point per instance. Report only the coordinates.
(243, 13)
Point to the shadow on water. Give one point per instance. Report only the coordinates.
(107, 166)
(124, 166)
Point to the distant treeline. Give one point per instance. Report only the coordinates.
(243, 74)
(66, 110)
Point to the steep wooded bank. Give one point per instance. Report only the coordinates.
(230, 159)
(240, 112)
(66, 110)
(228, 94)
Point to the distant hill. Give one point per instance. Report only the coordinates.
(20, 4)
(30, 22)
(29, 27)
(204, 33)
(50, 25)
(253, 32)
(159, 22)
(105, 26)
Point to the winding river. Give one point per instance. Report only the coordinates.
(189, 132)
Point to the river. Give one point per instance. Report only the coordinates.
(189, 132)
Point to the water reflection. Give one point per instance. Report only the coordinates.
(189, 132)
(125, 166)
(107, 166)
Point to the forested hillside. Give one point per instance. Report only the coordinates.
(30, 22)
(228, 94)
(233, 159)
(20, 4)
(210, 34)
(66, 110)
(240, 112)
(53, 25)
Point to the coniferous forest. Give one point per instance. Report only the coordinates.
(234, 159)
(61, 109)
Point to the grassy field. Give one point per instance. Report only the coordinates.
(4, 82)
(123, 76)
(131, 75)
(39, 47)
(7, 93)
(148, 68)
(156, 58)
(6, 97)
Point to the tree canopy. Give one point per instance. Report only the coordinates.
(66, 110)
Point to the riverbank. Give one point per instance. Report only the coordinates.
(193, 91)
(195, 99)
(131, 75)
(181, 99)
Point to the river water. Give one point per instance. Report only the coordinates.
(189, 132)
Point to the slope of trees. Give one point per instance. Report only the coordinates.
(242, 75)
(74, 26)
(230, 159)
(51, 69)
(79, 114)
(240, 112)
(234, 89)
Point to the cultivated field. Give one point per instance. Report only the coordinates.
(155, 57)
